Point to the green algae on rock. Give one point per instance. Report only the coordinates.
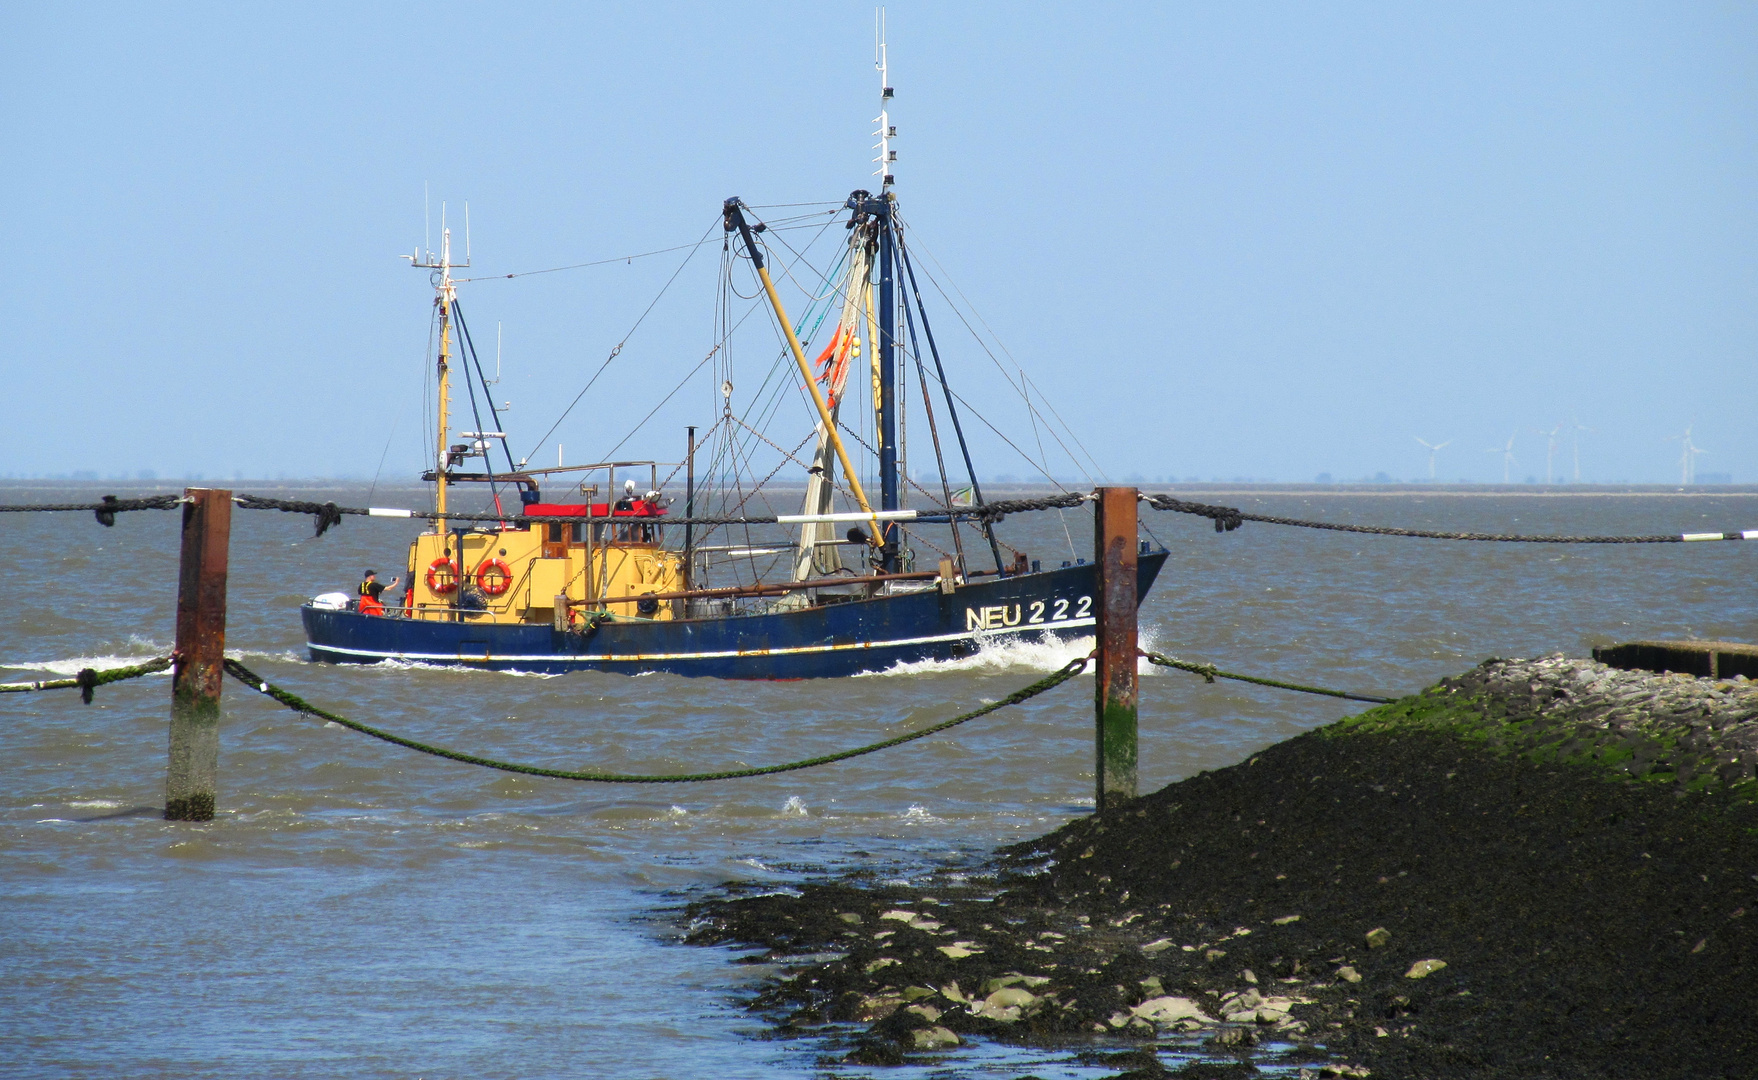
(1699, 734)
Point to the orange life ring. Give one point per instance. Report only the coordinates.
(437, 583)
(495, 566)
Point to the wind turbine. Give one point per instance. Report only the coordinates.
(1688, 452)
(1433, 449)
(1550, 450)
(1508, 459)
(1576, 427)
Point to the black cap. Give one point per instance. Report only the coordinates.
(370, 573)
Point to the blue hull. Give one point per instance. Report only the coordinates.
(821, 642)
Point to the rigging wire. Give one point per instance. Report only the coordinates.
(915, 352)
(1024, 378)
(464, 351)
(784, 223)
(619, 345)
(909, 266)
(494, 413)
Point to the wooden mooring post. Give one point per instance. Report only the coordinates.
(1114, 689)
(198, 669)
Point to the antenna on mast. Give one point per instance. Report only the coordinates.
(886, 131)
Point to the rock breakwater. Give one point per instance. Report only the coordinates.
(1538, 868)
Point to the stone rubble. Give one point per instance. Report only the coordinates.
(1529, 848)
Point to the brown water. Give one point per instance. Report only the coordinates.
(358, 910)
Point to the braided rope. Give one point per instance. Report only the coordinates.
(87, 680)
(106, 510)
(1210, 673)
(992, 512)
(298, 704)
(325, 514)
(1227, 518)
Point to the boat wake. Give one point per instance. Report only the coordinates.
(141, 649)
(73, 665)
(452, 669)
(283, 656)
(1013, 653)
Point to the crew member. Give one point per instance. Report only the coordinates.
(625, 504)
(370, 590)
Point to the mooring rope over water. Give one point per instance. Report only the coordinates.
(105, 511)
(327, 514)
(1210, 672)
(88, 680)
(298, 704)
(1228, 518)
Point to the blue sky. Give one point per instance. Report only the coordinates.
(1266, 240)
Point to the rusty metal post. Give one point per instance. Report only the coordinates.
(193, 767)
(1114, 690)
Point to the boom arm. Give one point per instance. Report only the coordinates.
(733, 211)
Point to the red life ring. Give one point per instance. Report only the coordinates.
(442, 576)
(494, 566)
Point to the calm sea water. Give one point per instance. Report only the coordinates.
(357, 910)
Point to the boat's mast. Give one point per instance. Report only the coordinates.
(886, 357)
(445, 293)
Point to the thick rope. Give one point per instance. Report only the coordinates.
(325, 515)
(298, 704)
(1210, 672)
(105, 511)
(1227, 518)
(993, 512)
(88, 680)
(328, 514)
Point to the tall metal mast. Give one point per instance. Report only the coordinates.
(445, 292)
(886, 356)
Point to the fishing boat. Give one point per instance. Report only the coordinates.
(582, 575)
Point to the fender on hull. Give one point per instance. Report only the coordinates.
(820, 642)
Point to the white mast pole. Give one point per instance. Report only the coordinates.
(886, 132)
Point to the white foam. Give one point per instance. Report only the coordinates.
(284, 656)
(424, 665)
(73, 665)
(1014, 652)
(94, 804)
(795, 807)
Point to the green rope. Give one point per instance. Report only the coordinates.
(1211, 673)
(88, 679)
(298, 704)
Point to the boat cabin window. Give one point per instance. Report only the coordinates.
(630, 532)
(553, 533)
